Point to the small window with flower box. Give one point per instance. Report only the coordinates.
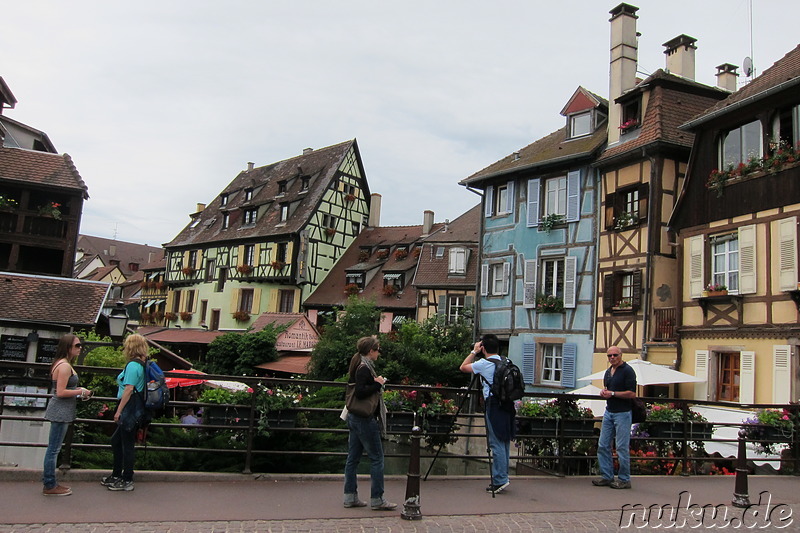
(626, 208)
(622, 292)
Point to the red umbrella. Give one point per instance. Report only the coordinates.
(184, 382)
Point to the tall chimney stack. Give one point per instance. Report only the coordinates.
(727, 77)
(624, 58)
(680, 56)
(374, 210)
(250, 166)
(427, 222)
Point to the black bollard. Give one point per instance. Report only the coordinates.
(740, 496)
(411, 509)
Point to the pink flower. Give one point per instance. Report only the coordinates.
(269, 391)
(250, 390)
(785, 417)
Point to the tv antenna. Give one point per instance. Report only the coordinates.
(747, 66)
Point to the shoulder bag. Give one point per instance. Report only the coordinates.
(361, 407)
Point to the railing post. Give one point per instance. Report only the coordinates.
(248, 457)
(740, 491)
(686, 430)
(411, 507)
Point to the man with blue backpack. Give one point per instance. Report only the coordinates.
(502, 385)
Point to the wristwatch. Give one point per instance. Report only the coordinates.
(612, 394)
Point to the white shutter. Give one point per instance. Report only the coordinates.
(484, 280)
(695, 267)
(529, 282)
(570, 280)
(528, 361)
(510, 198)
(506, 277)
(701, 371)
(781, 375)
(573, 196)
(533, 202)
(787, 231)
(747, 259)
(747, 377)
(488, 199)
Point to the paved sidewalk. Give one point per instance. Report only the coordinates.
(237, 503)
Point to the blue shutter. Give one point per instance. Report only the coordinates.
(533, 202)
(528, 361)
(573, 196)
(569, 352)
(488, 199)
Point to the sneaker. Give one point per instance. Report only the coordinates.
(109, 480)
(601, 482)
(121, 484)
(620, 484)
(384, 506)
(58, 490)
(355, 503)
(497, 489)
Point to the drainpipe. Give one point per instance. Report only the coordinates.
(649, 262)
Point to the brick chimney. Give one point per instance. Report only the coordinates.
(374, 210)
(727, 77)
(680, 56)
(624, 58)
(427, 222)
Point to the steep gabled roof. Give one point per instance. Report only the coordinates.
(320, 166)
(41, 168)
(672, 100)
(49, 300)
(123, 252)
(782, 74)
(433, 270)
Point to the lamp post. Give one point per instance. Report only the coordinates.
(117, 322)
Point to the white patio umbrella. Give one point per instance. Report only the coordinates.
(648, 373)
(597, 406)
(229, 385)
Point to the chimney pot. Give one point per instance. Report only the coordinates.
(374, 210)
(727, 77)
(200, 207)
(307, 151)
(624, 58)
(427, 222)
(680, 56)
(250, 166)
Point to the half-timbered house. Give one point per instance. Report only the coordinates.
(267, 240)
(737, 221)
(536, 287)
(641, 171)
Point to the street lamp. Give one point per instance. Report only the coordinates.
(117, 321)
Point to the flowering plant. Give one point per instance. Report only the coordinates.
(568, 407)
(330, 232)
(186, 316)
(277, 265)
(400, 400)
(363, 255)
(628, 124)
(275, 399)
(349, 197)
(241, 316)
(389, 290)
(244, 269)
(715, 287)
(662, 412)
(169, 315)
(8, 202)
(400, 253)
(383, 254)
(351, 288)
(756, 428)
(187, 270)
(549, 304)
(53, 209)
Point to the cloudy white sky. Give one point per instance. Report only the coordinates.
(162, 103)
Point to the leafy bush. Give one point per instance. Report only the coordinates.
(756, 428)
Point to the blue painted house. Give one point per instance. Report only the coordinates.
(536, 289)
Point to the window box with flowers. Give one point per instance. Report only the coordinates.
(351, 288)
(390, 290)
(160, 285)
(330, 232)
(172, 317)
(276, 407)
(158, 316)
(400, 254)
(244, 269)
(383, 254)
(145, 318)
(229, 409)
(241, 316)
(349, 198)
(550, 221)
(188, 271)
(542, 419)
(8, 204)
(435, 413)
(363, 256)
(625, 220)
(186, 316)
(666, 421)
(147, 285)
(549, 304)
(51, 209)
(277, 265)
(771, 430)
(628, 125)
(623, 306)
(715, 289)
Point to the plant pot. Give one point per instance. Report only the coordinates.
(675, 430)
(439, 423)
(283, 418)
(399, 421)
(226, 416)
(583, 427)
(536, 427)
(717, 293)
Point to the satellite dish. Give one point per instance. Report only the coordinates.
(748, 66)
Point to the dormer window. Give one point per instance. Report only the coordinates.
(223, 200)
(284, 212)
(226, 220)
(304, 181)
(631, 116)
(282, 187)
(458, 261)
(248, 195)
(250, 217)
(356, 278)
(580, 124)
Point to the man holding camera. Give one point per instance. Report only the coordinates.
(499, 420)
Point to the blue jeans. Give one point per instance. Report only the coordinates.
(58, 431)
(365, 436)
(122, 444)
(616, 427)
(501, 452)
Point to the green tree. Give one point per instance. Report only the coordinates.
(236, 354)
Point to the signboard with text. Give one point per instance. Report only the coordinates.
(46, 350)
(300, 336)
(13, 347)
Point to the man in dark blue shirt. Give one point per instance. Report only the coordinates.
(619, 390)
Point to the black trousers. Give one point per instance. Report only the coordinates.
(122, 444)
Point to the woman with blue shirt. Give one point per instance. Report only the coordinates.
(130, 385)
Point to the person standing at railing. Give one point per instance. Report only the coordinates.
(61, 408)
(366, 431)
(619, 390)
(129, 413)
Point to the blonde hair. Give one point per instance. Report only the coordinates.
(135, 346)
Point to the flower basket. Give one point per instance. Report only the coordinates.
(187, 270)
(53, 210)
(399, 422)
(241, 316)
(350, 198)
(675, 430)
(277, 265)
(351, 289)
(550, 221)
(717, 293)
(160, 285)
(438, 423)
(186, 316)
(363, 255)
(628, 125)
(389, 290)
(536, 427)
(775, 426)
(400, 254)
(244, 269)
(549, 304)
(145, 318)
(158, 316)
(220, 415)
(330, 232)
(283, 418)
(169, 315)
(383, 254)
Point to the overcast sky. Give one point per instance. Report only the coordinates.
(161, 104)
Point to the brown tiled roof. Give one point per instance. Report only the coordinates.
(50, 300)
(465, 228)
(173, 335)
(673, 100)
(41, 168)
(124, 252)
(433, 271)
(278, 319)
(549, 150)
(161, 264)
(331, 291)
(785, 69)
(99, 273)
(321, 165)
(291, 364)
